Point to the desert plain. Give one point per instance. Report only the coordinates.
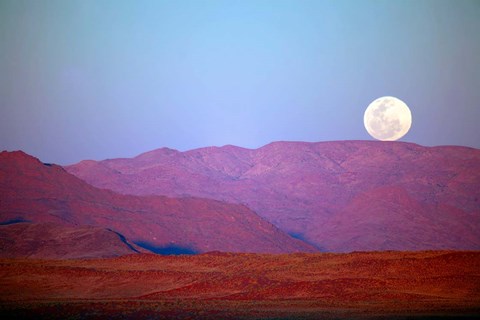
(358, 285)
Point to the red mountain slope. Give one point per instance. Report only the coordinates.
(47, 240)
(39, 193)
(340, 196)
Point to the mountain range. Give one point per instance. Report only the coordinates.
(43, 206)
(338, 196)
(284, 197)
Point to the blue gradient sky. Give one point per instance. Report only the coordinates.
(103, 79)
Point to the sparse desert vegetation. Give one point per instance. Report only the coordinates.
(245, 286)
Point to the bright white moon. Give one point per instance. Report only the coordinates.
(387, 119)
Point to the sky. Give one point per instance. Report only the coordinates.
(106, 79)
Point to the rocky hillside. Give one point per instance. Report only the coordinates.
(339, 196)
(42, 193)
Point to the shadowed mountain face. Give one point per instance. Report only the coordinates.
(340, 196)
(38, 193)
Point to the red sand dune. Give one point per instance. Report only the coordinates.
(245, 286)
(340, 196)
(38, 193)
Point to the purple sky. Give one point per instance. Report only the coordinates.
(105, 79)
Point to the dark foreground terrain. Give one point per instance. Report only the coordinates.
(379, 285)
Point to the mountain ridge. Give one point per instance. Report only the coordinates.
(305, 188)
(46, 193)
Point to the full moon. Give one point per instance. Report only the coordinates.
(387, 119)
